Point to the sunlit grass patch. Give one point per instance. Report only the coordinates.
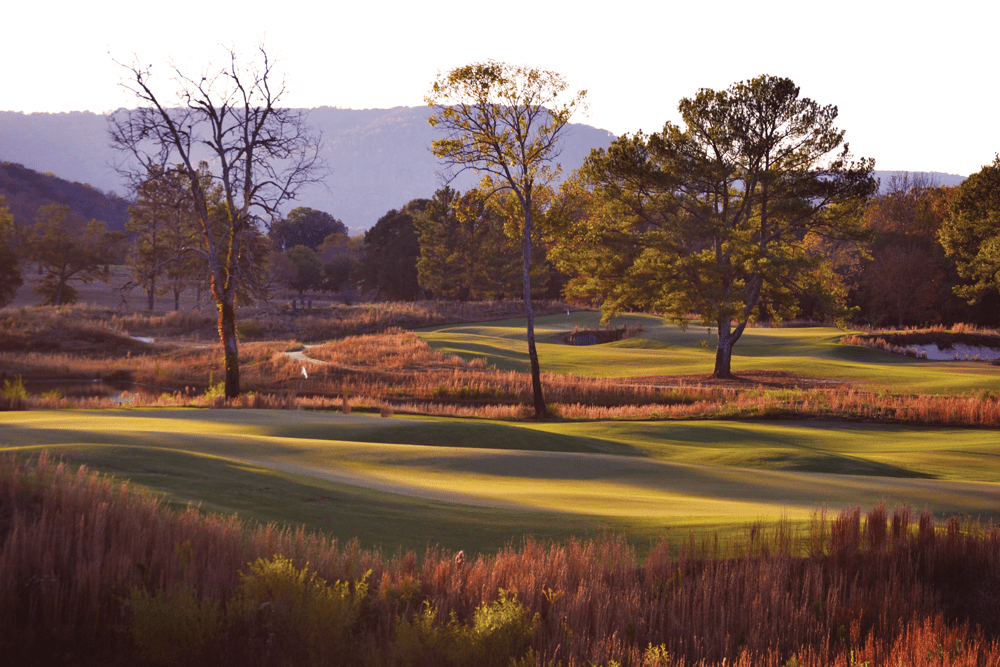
(397, 480)
(662, 349)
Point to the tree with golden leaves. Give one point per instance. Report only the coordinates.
(505, 121)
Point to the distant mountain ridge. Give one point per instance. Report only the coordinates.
(931, 178)
(380, 158)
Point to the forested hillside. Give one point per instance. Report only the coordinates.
(26, 190)
(379, 158)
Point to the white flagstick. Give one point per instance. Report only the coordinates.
(305, 376)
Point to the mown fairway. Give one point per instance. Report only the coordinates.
(477, 485)
(667, 350)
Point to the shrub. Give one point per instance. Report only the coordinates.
(657, 656)
(13, 395)
(499, 634)
(215, 391)
(309, 618)
(249, 330)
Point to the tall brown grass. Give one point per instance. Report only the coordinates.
(340, 321)
(86, 564)
(398, 369)
(20, 326)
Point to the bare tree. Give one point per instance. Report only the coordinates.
(259, 155)
(506, 121)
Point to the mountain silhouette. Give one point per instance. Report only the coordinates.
(379, 159)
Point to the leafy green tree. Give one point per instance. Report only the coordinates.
(305, 226)
(166, 234)
(441, 269)
(391, 249)
(971, 232)
(712, 218)
(465, 252)
(341, 256)
(68, 249)
(907, 279)
(261, 154)
(307, 270)
(506, 121)
(10, 266)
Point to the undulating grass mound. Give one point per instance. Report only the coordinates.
(476, 485)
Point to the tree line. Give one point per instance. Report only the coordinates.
(459, 246)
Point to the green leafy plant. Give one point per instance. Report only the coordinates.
(249, 330)
(500, 633)
(13, 395)
(14, 390)
(215, 390)
(311, 617)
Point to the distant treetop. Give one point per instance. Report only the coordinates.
(305, 226)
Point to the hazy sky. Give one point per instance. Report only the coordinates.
(916, 82)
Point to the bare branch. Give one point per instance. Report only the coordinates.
(242, 156)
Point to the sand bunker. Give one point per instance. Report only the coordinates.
(958, 352)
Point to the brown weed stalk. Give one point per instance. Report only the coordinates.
(75, 546)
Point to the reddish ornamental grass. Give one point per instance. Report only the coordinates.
(88, 565)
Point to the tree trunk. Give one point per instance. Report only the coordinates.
(150, 295)
(536, 376)
(724, 351)
(230, 346)
(177, 299)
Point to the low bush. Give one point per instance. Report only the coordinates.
(295, 613)
(14, 395)
(500, 633)
(247, 330)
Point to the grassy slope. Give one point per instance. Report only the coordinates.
(476, 485)
(667, 350)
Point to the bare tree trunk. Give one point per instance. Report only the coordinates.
(536, 376)
(230, 346)
(150, 295)
(724, 350)
(224, 292)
